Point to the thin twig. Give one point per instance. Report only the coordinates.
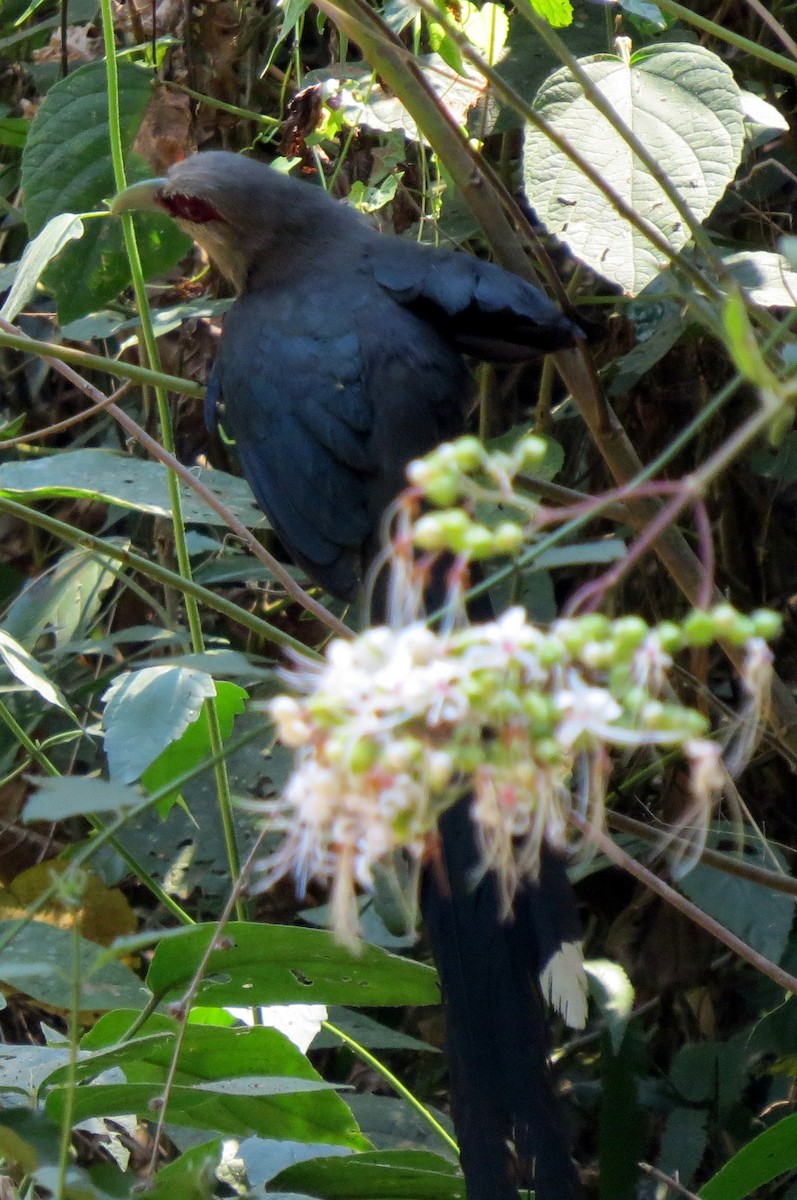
(652, 881)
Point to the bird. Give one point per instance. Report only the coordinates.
(342, 360)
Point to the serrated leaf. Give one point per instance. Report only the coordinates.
(683, 1142)
(487, 28)
(558, 13)
(145, 711)
(28, 672)
(682, 102)
(758, 915)
(66, 167)
(135, 483)
(56, 234)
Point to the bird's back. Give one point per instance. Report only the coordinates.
(329, 387)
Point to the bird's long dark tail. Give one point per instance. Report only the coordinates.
(508, 1122)
(497, 1037)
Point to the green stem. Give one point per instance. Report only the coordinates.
(97, 362)
(245, 114)
(167, 439)
(70, 1081)
(155, 571)
(728, 35)
(395, 1083)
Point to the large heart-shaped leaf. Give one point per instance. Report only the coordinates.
(683, 105)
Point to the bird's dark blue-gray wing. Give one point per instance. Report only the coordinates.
(485, 311)
(328, 388)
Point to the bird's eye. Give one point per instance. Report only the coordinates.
(190, 208)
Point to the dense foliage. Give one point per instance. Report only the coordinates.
(638, 160)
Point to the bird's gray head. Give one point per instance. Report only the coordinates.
(241, 212)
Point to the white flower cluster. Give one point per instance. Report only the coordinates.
(396, 725)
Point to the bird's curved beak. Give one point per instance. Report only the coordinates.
(142, 196)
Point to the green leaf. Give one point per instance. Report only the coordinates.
(743, 345)
(682, 102)
(192, 1176)
(779, 463)
(145, 711)
(646, 16)
(621, 1134)
(66, 167)
(366, 1032)
(135, 483)
(558, 13)
(762, 120)
(40, 962)
(215, 1087)
(683, 1143)
(56, 234)
(28, 672)
(76, 795)
(766, 1157)
(26, 1067)
(13, 131)
(767, 278)
(278, 964)
(487, 28)
(193, 745)
(576, 554)
(755, 913)
(63, 602)
(387, 1174)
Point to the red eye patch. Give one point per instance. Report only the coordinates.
(190, 208)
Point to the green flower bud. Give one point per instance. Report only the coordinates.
(596, 626)
(628, 634)
(468, 453)
(767, 624)
(742, 631)
(547, 750)
(571, 633)
(362, 755)
(538, 711)
(505, 703)
(508, 538)
(670, 636)
(419, 472)
(478, 542)
(725, 620)
(551, 652)
(428, 533)
(531, 450)
(443, 487)
(699, 628)
(596, 655)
